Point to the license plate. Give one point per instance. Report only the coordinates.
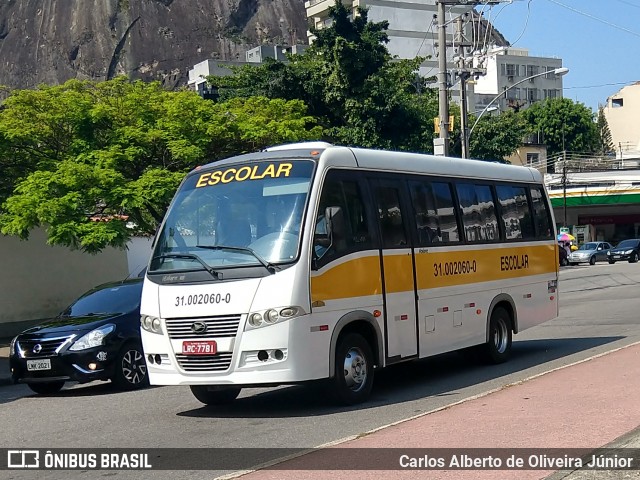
(199, 347)
(44, 364)
(616, 256)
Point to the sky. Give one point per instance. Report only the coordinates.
(597, 40)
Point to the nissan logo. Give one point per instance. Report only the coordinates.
(199, 327)
(37, 348)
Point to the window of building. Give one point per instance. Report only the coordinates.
(532, 70)
(532, 95)
(533, 159)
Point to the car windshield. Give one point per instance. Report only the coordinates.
(235, 216)
(117, 298)
(588, 246)
(627, 244)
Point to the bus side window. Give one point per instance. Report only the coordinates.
(541, 215)
(343, 196)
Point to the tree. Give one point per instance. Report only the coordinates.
(360, 95)
(98, 162)
(566, 125)
(497, 137)
(605, 141)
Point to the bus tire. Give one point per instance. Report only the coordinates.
(498, 346)
(353, 377)
(215, 395)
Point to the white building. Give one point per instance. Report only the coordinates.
(622, 112)
(509, 70)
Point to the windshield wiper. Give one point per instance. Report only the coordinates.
(271, 268)
(190, 256)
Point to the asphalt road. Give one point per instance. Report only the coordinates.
(599, 311)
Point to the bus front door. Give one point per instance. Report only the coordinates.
(397, 271)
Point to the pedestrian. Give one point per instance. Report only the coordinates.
(567, 248)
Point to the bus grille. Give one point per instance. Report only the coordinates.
(218, 326)
(205, 363)
(40, 347)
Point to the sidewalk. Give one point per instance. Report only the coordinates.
(585, 405)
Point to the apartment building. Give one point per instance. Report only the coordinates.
(522, 78)
(622, 112)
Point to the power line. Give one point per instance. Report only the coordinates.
(526, 23)
(628, 3)
(602, 85)
(593, 17)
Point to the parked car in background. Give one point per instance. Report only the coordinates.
(590, 252)
(625, 250)
(96, 338)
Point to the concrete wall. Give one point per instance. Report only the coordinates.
(38, 280)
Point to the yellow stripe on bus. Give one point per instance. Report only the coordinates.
(461, 267)
(360, 277)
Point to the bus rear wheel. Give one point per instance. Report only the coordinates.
(353, 377)
(498, 346)
(215, 395)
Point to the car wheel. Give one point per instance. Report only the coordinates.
(353, 376)
(611, 262)
(592, 260)
(498, 346)
(633, 258)
(46, 388)
(215, 395)
(131, 369)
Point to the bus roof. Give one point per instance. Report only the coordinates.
(388, 161)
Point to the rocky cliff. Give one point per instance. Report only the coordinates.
(51, 41)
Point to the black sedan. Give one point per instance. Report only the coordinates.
(96, 338)
(625, 250)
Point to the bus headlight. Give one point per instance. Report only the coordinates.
(272, 316)
(255, 319)
(151, 324)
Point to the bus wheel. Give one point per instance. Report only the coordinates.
(354, 370)
(215, 395)
(498, 347)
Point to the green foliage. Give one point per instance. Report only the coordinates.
(566, 125)
(497, 137)
(95, 163)
(350, 84)
(605, 140)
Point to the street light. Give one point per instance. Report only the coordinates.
(558, 72)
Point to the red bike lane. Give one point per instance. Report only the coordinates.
(585, 405)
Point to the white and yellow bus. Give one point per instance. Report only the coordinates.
(312, 261)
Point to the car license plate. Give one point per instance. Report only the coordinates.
(44, 364)
(616, 256)
(208, 347)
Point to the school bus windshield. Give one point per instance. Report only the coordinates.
(254, 209)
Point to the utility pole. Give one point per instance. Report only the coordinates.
(441, 147)
(564, 187)
(441, 144)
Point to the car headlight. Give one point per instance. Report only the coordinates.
(94, 338)
(151, 324)
(628, 252)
